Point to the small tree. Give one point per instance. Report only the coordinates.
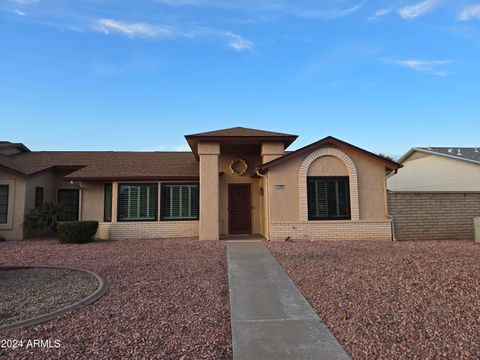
(42, 219)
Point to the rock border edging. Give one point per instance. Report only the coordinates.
(96, 295)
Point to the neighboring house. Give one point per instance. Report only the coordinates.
(438, 169)
(436, 194)
(234, 181)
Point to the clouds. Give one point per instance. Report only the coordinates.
(432, 67)
(238, 43)
(469, 13)
(158, 32)
(132, 30)
(416, 10)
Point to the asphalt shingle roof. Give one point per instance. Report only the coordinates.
(107, 164)
(464, 153)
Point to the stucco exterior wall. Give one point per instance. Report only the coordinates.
(209, 191)
(13, 229)
(92, 200)
(284, 203)
(252, 157)
(284, 200)
(423, 172)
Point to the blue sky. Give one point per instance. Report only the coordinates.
(138, 75)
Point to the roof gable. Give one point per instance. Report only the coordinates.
(392, 165)
(469, 154)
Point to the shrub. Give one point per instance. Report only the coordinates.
(78, 232)
(43, 219)
(2, 239)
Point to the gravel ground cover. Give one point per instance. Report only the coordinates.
(392, 300)
(168, 299)
(31, 292)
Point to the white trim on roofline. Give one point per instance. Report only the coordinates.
(412, 150)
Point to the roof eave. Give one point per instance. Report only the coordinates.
(429, 152)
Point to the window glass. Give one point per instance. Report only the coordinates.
(328, 198)
(180, 201)
(137, 202)
(107, 206)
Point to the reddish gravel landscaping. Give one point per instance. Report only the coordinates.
(392, 300)
(168, 299)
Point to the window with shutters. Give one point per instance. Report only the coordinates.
(38, 197)
(137, 202)
(107, 203)
(180, 201)
(3, 204)
(68, 199)
(328, 198)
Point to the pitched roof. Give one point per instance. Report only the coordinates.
(109, 165)
(239, 135)
(240, 132)
(329, 139)
(8, 144)
(470, 154)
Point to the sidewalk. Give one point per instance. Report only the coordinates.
(270, 317)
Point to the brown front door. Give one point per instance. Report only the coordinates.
(239, 209)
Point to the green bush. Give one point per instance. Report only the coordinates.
(42, 220)
(78, 232)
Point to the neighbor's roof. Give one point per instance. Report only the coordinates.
(470, 154)
(392, 165)
(239, 135)
(107, 165)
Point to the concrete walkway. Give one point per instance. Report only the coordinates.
(270, 317)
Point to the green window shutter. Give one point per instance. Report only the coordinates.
(137, 202)
(3, 204)
(328, 198)
(179, 201)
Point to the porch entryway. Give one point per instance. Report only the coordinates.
(239, 209)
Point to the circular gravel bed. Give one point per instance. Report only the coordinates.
(32, 292)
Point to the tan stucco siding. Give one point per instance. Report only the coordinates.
(13, 229)
(252, 158)
(48, 181)
(284, 202)
(92, 201)
(209, 191)
(371, 187)
(327, 166)
(423, 172)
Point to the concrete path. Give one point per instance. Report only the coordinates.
(270, 317)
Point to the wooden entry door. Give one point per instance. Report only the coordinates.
(239, 209)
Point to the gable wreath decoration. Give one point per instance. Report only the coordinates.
(238, 167)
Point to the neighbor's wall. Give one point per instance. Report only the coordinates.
(434, 215)
(284, 204)
(13, 229)
(424, 172)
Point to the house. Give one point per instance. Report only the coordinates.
(438, 169)
(233, 181)
(436, 194)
